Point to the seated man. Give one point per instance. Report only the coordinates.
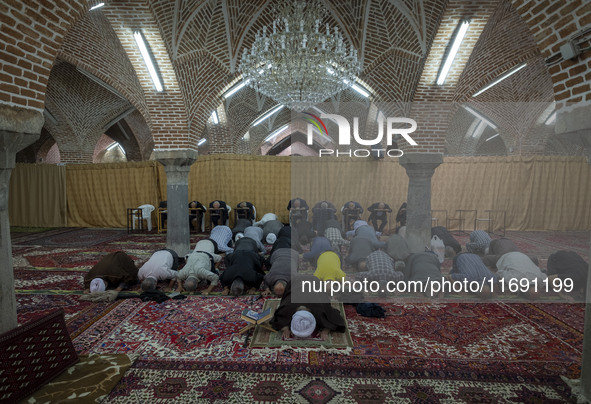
(244, 270)
(161, 266)
(517, 265)
(196, 212)
(245, 210)
(303, 320)
(569, 265)
(200, 266)
(479, 242)
(379, 267)
(116, 270)
(470, 267)
(423, 267)
(401, 216)
(222, 236)
(283, 262)
(379, 213)
(322, 211)
(328, 267)
(351, 212)
(298, 211)
(218, 213)
(319, 245)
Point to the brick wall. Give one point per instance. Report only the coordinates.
(31, 32)
(552, 24)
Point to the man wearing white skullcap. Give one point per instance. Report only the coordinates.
(116, 270)
(303, 323)
(97, 285)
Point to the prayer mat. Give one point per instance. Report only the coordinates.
(263, 338)
(155, 381)
(76, 238)
(33, 354)
(88, 381)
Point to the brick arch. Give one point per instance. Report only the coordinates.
(553, 24)
(33, 33)
(90, 39)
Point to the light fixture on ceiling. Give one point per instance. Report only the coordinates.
(267, 115)
(457, 41)
(479, 116)
(114, 145)
(214, 117)
(297, 62)
(360, 90)
(139, 39)
(275, 133)
(492, 137)
(201, 142)
(501, 78)
(551, 119)
(99, 5)
(235, 89)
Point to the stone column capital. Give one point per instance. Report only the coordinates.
(421, 164)
(177, 164)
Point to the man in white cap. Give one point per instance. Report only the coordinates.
(294, 318)
(160, 267)
(115, 270)
(200, 266)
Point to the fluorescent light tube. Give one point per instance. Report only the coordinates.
(268, 114)
(201, 142)
(492, 137)
(112, 146)
(139, 39)
(234, 90)
(274, 134)
(214, 117)
(477, 115)
(501, 78)
(452, 52)
(97, 6)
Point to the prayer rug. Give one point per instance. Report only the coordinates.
(48, 280)
(88, 381)
(76, 238)
(156, 382)
(33, 354)
(264, 338)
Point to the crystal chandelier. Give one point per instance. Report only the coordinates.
(299, 63)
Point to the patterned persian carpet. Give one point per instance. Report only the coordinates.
(191, 351)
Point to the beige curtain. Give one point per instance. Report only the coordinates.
(537, 193)
(99, 194)
(37, 196)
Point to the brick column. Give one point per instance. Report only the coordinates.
(419, 168)
(19, 128)
(177, 164)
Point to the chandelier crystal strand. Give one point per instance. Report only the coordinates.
(298, 62)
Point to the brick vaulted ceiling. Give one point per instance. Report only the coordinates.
(198, 45)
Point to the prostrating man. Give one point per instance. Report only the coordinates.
(379, 213)
(244, 270)
(479, 242)
(424, 268)
(256, 234)
(359, 249)
(516, 265)
(200, 266)
(397, 248)
(365, 231)
(328, 267)
(219, 212)
(240, 226)
(116, 270)
(302, 320)
(319, 245)
(283, 262)
(380, 267)
(222, 236)
(468, 266)
(161, 266)
(569, 265)
(272, 227)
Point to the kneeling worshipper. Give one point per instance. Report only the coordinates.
(380, 267)
(271, 231)
(222, 235)
(517, 265)
(116, 271)
(161, 266)
(423, 267)
(283, 262)
(569, 265)
(397, 248)
(319, 245)
(302, 319)
(200, 266)
(284, 240)
(479, 242)
(244, 270)
(335, 235)
(328, 267)
(240, 226)
(470, 267)
(267, 217)
(255, 233)
(359, 249)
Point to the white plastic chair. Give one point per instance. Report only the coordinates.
(146, 215)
